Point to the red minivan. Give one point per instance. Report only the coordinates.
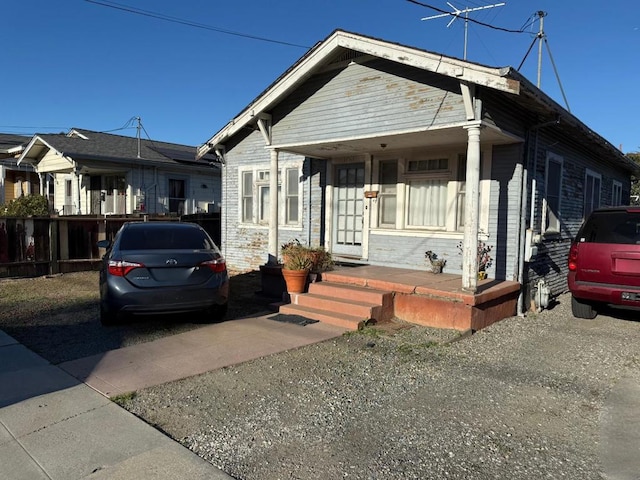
(604, 262)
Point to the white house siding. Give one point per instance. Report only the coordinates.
(151, 187)
(52, 162)
(363, 100)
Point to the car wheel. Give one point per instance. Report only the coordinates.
(107, 317)
(582, 309)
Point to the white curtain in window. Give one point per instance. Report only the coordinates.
(427, 202)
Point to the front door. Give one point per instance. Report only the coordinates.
(348, 210)
(95, 188)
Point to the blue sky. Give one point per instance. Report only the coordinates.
(74, 63)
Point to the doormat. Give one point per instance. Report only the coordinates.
(295, 319)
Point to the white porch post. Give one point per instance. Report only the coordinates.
(471, 209)
(273, 207)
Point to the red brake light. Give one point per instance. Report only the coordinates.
(218, 265)
(119, 268)
(573, 257)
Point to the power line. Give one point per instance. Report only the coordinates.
(167, 18)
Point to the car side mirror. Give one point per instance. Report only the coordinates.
(104, 243)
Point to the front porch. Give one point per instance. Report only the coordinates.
(354, 295)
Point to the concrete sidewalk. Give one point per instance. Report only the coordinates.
(54, 426)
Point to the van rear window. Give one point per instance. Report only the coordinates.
(611, 227)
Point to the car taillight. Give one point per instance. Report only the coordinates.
(573, 257)
(119, 268)
(218, 265)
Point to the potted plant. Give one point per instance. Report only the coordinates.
(484, 258)
(296, 263)
(436, 264)
(321, 261)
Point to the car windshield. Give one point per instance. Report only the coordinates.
(165, 238)
(612, 227)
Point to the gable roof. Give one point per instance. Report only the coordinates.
(341, 41)
(80, 144)
(502, 79)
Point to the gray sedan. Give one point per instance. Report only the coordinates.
(162, 267)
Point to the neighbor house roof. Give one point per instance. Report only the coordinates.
(80, 144)
(11, 144)
(502, 79)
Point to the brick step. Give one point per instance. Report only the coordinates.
(350, 322)
(351, 292)
(339, 305)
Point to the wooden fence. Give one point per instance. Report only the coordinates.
(37, 246)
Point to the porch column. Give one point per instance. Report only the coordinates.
(78, 182)
(273, 207)
(471, 209)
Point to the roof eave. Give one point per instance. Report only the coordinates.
(564, 116)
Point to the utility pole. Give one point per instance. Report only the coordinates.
(540, 37)
(456, 13)
(138, 128)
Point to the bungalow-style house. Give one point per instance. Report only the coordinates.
(15, 180)
(381, 152)
(100, 174)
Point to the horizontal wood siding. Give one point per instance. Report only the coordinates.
(246, 246)
(53, 162)
(504, 210)
(365, 100)
(407, 251)
(551, 261)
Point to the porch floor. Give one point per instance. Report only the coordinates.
(436, 300)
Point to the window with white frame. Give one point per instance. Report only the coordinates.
(422, 194)
(387, 196)
(256, 196)
(426, 193)
(616, 194)
(553, 190)
(592, 184)
(247, 197)
(292, 196)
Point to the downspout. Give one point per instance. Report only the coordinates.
(523, 230)
(309, 203)
(273, 207)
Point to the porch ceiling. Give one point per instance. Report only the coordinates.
(442, 137)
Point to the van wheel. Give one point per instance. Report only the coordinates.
(582, 309)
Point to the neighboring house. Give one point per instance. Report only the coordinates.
(100, 173)
(15, 180)
(381, 151)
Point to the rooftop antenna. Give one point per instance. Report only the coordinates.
(456, 13)
(540, 36)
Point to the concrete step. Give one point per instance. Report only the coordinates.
(351, 292)
(339, 305)
(350, 322)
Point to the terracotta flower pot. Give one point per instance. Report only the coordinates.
(296, 280)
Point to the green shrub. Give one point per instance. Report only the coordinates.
(31, 205)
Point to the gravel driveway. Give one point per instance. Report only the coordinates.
(535, 397)
(545, 396)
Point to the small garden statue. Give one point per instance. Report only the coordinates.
(436, 264)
